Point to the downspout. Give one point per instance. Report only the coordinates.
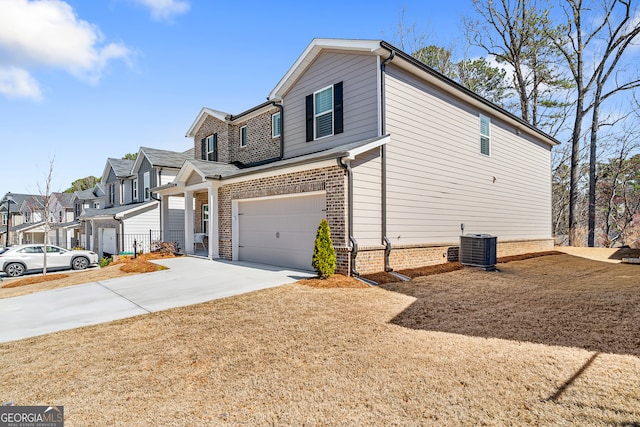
(352, 240)
(281, 108)
(383, 159)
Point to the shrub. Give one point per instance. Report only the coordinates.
(104, 261)
(324, 255)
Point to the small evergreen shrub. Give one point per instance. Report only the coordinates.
(104, 261)
(324, 255)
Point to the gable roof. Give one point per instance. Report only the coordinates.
(65, 199)
(405, 61)
(18, 200)
(202, 116)
(162, 158)
(311, 53)
(121, 168)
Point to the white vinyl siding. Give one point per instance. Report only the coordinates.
(367, 204)
(436, 180)
(360, 114)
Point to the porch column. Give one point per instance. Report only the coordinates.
(214, 250)
(164, 219)
(188, 222)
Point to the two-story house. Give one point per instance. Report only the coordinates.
(12, 216)
(400, 160)
(130, 214)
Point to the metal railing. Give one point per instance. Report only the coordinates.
(145, 242)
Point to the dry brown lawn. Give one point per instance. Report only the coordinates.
(552, 340)
(126, 266)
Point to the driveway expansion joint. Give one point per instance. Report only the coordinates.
(124, 297)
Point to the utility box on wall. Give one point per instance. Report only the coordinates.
(478, 250)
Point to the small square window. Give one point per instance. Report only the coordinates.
(485, 135)
(243, 136)
(276, 125)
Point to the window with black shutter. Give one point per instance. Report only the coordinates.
(324, 112)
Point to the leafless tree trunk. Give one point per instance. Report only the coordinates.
(47, 197)
(574, 39)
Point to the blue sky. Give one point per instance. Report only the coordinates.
(81, 81)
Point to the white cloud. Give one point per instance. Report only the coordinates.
(18, 83)
(47, 33)
(164, 10)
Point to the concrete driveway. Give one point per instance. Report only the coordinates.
(187, 281)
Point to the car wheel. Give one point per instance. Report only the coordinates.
(14, 269)
(80, 263)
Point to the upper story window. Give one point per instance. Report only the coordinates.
(243, 136)
(134, 189)
(147, 185)
(324, 112)
(209, 148)
(96, 205)
(112, 194)
(485, 135)
(5, 218)
(276, 125)
(60, 216)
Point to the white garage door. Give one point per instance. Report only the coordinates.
(107, 241)
(280, 231)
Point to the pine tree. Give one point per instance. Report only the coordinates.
(324, 256)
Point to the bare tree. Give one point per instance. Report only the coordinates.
(47, 197)
(514, 32)
(615, 30)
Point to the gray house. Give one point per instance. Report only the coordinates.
(130, 212)
(397, 157)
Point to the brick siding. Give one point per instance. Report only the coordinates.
(371, 259)
(332, 180)
(260, 144)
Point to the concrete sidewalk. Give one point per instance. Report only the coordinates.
(187, 281)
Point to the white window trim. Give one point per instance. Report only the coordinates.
(5, 218)
(147, 186)
(273, 133)
(315, 116)
(134, 190)
(205, 221)
(488, 135)
(243, 138)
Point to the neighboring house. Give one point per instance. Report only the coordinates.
(63, 224)
(28, 219)
(13, 216)
(130, 214)
(400, 159)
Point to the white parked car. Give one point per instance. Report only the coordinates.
(16, 260)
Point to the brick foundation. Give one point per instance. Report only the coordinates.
(371, 259)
